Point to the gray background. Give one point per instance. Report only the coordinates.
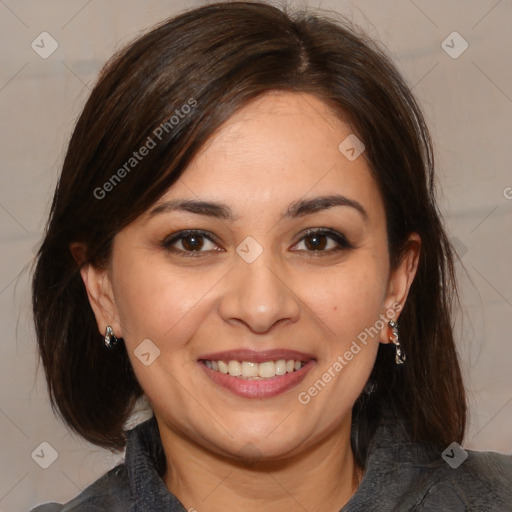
(468, 105)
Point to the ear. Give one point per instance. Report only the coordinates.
(399, 284)
(100, 292)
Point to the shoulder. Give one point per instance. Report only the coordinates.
(110, 492)
(490, 467)
(483, 482)
(417, 476)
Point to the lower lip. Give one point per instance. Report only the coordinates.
(258, 388)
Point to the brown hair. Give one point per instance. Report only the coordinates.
(217, 58)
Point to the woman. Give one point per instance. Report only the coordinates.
(245, 232)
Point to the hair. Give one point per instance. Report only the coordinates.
(216, 59)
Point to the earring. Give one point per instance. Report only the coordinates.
(111, 339)
(399, 355)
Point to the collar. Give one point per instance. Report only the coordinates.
(145, 463)
(392, 464)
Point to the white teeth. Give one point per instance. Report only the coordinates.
(235, 368)
(250, 369)
(281, 367)
(267, 369)
(255, 371)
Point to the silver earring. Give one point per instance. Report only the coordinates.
(111, 339)
(399, 355)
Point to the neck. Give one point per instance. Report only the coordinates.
(322, 478)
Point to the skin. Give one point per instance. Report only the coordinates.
(226, 452)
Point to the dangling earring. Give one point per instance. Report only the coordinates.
(399, 355)
(111, 339)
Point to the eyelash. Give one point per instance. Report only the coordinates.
(342, 242)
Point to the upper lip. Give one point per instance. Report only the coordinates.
(257, 356)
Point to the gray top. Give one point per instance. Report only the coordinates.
(400, 476)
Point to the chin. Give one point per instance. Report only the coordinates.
(264, 443)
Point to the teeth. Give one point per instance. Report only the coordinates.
(267, 369)
(281, 367)
(250, 369)
(255, 371)
(223, 367)
(234, 368)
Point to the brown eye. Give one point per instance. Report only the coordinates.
(190, 243)
(316, 242)
(323, 241)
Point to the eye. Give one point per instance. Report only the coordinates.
(190, 241)
(323, 240)
(196, 242)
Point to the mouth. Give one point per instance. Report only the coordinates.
(253, 374)
(255, 371)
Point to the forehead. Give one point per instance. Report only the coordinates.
(305, 127)
(278, 148)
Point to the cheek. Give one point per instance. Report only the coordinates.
(155, 303)
(349, 307)
(167, 308)
(346, 300)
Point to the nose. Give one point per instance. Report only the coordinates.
(258, 297)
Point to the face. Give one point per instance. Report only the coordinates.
(270, 252)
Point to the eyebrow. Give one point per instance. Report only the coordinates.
(296, 209)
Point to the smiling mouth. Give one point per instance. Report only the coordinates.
(249, 370)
